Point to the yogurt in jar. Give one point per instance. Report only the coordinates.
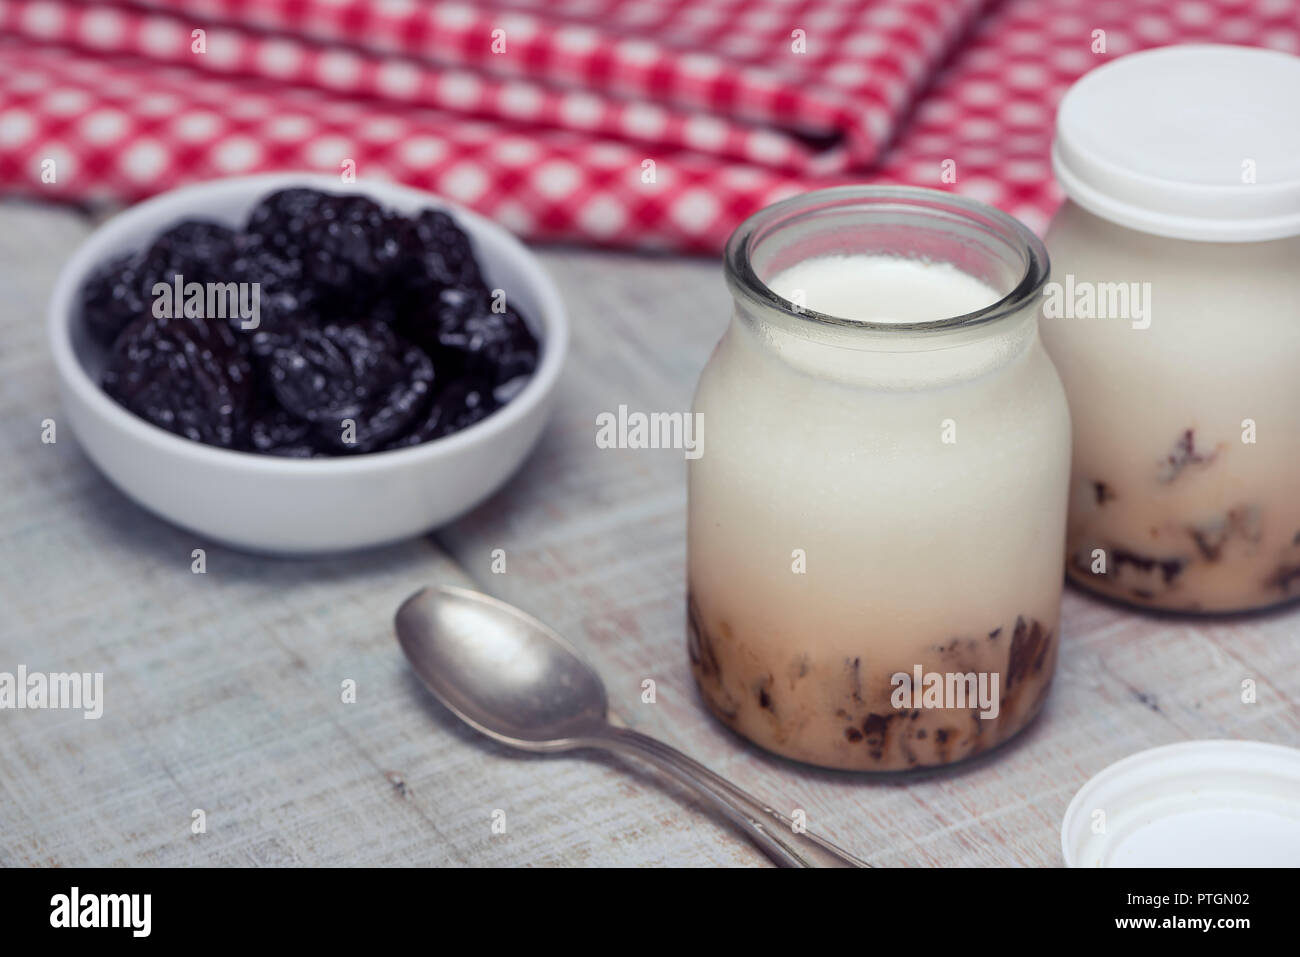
(876, 526)
(876, 288)
(1175, 324)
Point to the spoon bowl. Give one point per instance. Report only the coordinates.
(500, 670)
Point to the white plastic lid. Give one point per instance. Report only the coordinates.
(1161, 141)
(1197, 804)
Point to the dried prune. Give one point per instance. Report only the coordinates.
(1184, 454)
(388, 412)
(184, 375)
(463, 329)
(122, 290)
(499, 343)
(113, 297)
(356, 246)
(329, 373)
(197, 249)
(457, 405)
(286, 300)
(464, 403)
(456, 305)
(281, 220)
(274, 431)
(445, 256)
(446, 310)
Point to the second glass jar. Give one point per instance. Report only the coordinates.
(1174, 320)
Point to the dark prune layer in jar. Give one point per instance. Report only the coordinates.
(328, 325)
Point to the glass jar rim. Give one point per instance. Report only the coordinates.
(745, 282)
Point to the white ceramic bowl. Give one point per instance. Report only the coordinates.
(301, 506)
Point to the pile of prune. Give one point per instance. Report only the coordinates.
(369, 330)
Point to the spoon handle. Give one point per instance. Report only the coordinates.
(765, 826)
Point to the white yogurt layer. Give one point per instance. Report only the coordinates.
(876, 288)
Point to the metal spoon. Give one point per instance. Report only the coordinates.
(514, 679)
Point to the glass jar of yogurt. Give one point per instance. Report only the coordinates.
(877, 518)
(1174, 319)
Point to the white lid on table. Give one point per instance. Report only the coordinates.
(1196, 804)
(1165, 141)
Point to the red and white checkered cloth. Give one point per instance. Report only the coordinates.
(547, 114)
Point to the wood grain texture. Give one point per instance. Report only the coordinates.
(223, 690)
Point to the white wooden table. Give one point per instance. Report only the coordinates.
(222, 691)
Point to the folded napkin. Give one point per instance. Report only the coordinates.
(645, 123)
